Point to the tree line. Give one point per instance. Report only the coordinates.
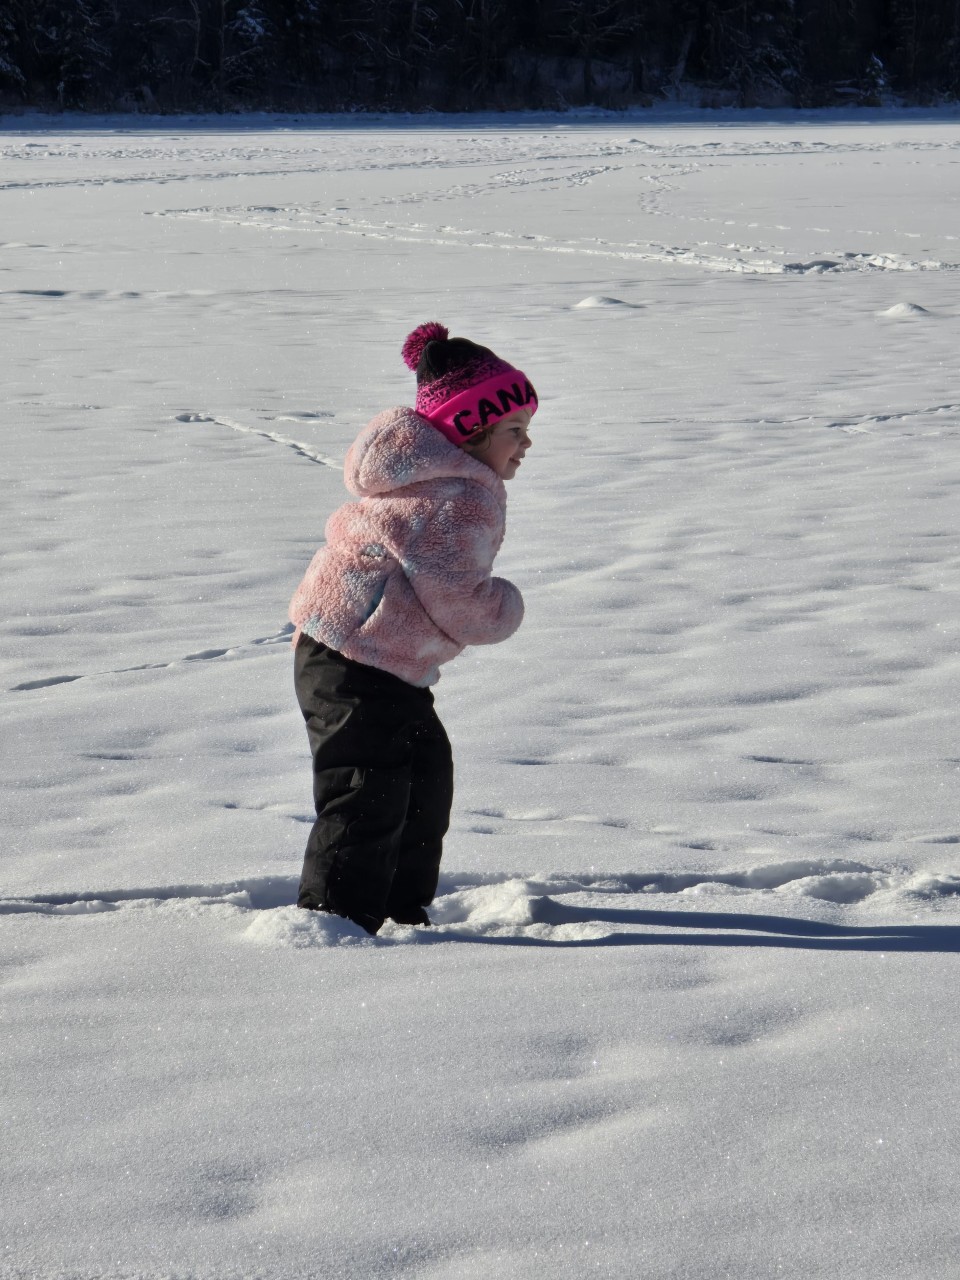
(454, 55)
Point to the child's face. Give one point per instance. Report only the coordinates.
(506, 446)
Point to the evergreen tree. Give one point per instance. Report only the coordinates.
(596, 28)
(750, 46)
(79, 42)
(244, 47)
(12, 77)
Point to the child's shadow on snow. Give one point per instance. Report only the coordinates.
(762, 931)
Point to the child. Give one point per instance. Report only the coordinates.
(402, 585)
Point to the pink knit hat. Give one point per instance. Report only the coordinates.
(463, 388)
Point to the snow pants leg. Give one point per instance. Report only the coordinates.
(382, 786)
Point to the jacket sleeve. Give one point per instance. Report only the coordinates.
(448, 562)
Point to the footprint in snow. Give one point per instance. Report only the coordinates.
(203, 655)
(300, 448)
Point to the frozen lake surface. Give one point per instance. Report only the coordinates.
(689, 1007)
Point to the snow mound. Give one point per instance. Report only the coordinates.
(600, 300)
(779, 875)
(927, 886)
(902, 310)
(481, 906)
(294, 927)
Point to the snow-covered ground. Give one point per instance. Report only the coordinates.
(689, 1009)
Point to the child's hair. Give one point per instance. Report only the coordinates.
(479, 441)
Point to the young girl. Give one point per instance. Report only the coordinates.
(402, 585)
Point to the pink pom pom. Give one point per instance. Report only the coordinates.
(416, 341)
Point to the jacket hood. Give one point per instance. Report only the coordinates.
(400, 447)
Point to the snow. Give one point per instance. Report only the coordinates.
(904, 310)
(687, 1009)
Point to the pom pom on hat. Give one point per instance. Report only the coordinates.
(415, 343)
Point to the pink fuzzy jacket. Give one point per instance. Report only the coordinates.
(404, 582)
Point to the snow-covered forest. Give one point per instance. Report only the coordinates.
(473, 54)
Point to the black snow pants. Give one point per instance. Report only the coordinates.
(382, 786)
